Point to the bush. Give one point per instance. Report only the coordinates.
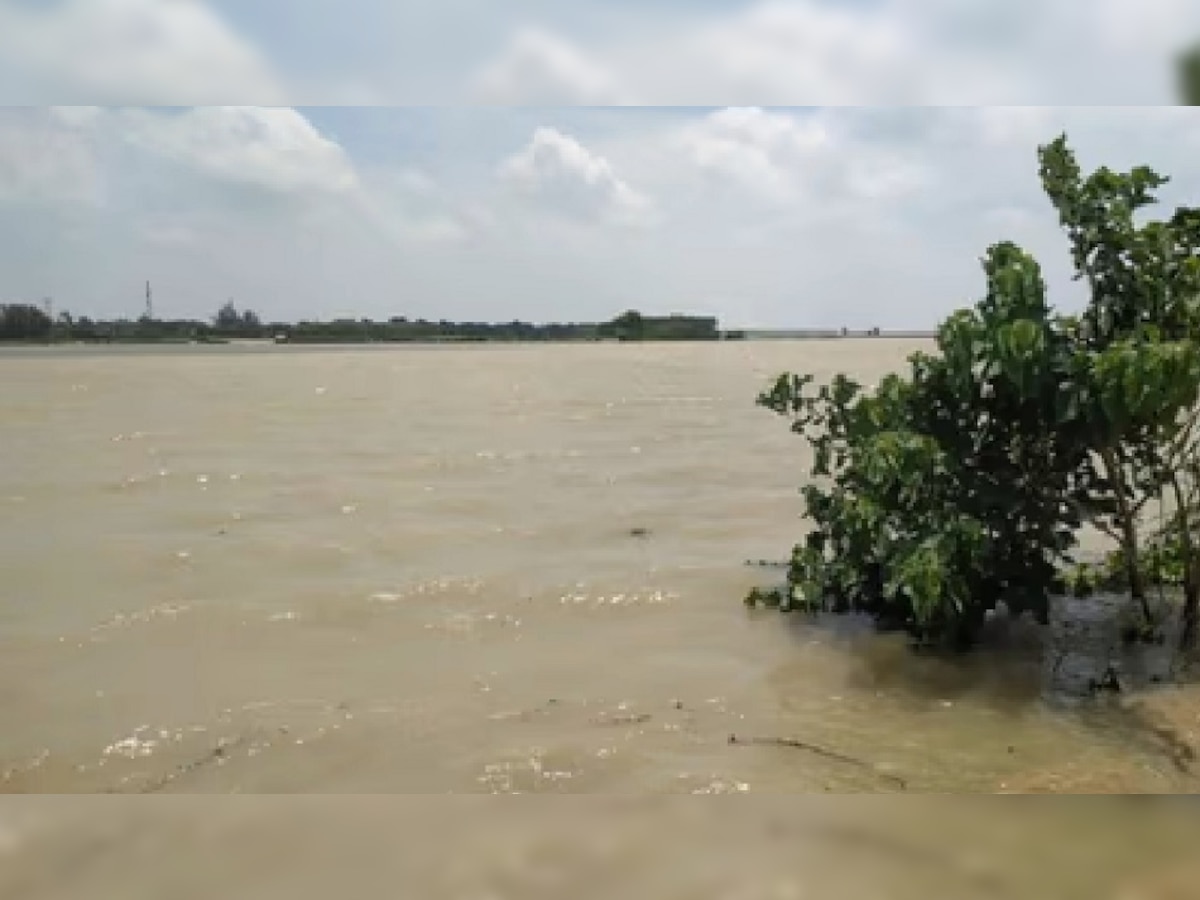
(965, 481)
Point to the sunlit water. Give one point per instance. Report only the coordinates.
(416, 570)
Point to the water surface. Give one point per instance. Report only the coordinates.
(414, 570)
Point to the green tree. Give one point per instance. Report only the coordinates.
(23, 322)
(940, 493)
(630, 326)
(1134, 378)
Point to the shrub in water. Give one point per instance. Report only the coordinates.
(964, 482)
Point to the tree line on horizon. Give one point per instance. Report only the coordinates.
(22, 322)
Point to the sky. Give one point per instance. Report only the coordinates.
(787, 163)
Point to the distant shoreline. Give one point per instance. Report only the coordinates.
(25, 324)
(728, 337)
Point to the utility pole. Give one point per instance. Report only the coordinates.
(149, 303)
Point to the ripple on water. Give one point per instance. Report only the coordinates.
(120, 621)
(712, 785)
(648, 597)
(466, 624)
(431, 588)
(142, 742)
(531, 772)
(154, 758)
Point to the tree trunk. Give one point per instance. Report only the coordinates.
(1191, 615)
(1129, 535)
(1191, 571)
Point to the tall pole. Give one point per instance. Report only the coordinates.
(149, 302)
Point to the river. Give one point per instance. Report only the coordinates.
(489, 569)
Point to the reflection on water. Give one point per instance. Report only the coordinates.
(470, 570)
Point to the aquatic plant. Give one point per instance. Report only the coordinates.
(965, 482)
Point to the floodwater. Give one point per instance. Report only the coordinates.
(547, 848)
(484, 570)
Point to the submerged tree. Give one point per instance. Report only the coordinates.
(1135, 371)
(940, 494)
(964, 483)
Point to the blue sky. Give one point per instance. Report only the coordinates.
(547, 160)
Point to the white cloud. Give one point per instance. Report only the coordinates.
(416, 183)
(775, 52)
(438, 230)
(829, 52)
(410, 206)
(541, 68)
(42, 162)
(885, 176)
(267, 147)
(279, 151)
(786, 53)
(766, 152)
(565, 176)
(129, 52)
(77, 116)
(1141, 25)
(1013, 125)
(168, 233)
(592, 52)
(273, 152)
(798, 159)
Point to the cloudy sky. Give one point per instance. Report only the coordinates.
(514, 171)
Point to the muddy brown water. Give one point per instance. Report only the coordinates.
(535, 847)
(464, 571)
